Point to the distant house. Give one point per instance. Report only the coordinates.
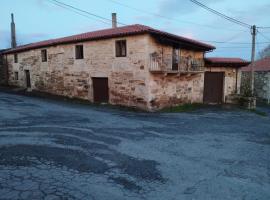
(261, 78)
(134, 65)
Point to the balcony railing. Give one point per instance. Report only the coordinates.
(180, 65)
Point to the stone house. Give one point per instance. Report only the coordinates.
(261, 78)
(134, 65)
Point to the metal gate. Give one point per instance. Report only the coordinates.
(100, 89)
(213, 87)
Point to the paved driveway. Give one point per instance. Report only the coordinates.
(55, 150)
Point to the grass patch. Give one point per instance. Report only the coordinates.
(183, 108)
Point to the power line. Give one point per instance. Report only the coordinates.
(233, 37)
(264, 36)
(266, 32)
(228, 41)
(264, 27)
(221, 14)
(259, 47)
(226, 49)
(101, 19)
(168, 18)
(222, 42)
(234, 47)
(86, 12)
(87, 16)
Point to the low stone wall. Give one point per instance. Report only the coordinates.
(171, 90)
(261, 83)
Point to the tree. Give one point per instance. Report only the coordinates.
(265, 52)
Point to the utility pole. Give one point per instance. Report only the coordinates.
(253, 33)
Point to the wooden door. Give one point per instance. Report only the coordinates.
(100, 90)
(27, 78)
(213, 87)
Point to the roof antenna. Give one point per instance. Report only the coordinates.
(13, 32)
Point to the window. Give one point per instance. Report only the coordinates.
(15, 58)
(121, 48)
(175, 58)
(44, 55)
(79, 52)
(16, 76)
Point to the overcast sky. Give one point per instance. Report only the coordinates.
(40, 19)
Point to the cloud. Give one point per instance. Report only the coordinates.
(25, 38)
(176, 7)
(4, 39)
(42, 4)
(22, 38)
(47, 5)
(256, 13)
(143, 18)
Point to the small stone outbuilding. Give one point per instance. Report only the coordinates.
(222, 79)
(261, 78)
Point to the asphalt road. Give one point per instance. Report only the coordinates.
(56, 150)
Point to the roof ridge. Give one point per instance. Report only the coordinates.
(182, 37)
(109, 33)
(78, 34)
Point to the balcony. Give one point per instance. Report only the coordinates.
(181, 65)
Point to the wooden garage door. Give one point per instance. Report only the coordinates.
(213, 87)
(101, 90)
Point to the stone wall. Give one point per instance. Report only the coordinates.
(2, 70)
(67, 76)
(173, 89)
(232, 80)
(130, 82)
(261, 83)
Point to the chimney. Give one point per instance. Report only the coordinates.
(13, 33)
(114, 20)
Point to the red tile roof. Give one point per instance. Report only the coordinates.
(259, 65)
(111, 33)
(226, 62)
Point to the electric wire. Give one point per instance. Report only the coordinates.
(87, 16)
(264, 36)
(108, 21)
(86, 12)
(221, 14)
(168, 18)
